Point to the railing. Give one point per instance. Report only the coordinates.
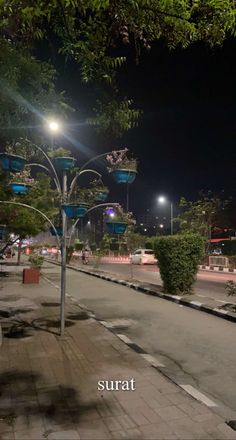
(219, 261)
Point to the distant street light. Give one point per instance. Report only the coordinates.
(163, 200)
(161, 226)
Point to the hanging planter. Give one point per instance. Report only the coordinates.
(101, 196)
(12, 162)
(58, 229)
(19, 188)
(117, 228)
(76, 210)
(124, 175)
(65, 163)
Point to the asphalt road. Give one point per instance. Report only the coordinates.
(208, 283)
(195, 348)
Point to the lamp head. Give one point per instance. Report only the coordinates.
(161, 199)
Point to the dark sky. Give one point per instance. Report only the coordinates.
(185, 141)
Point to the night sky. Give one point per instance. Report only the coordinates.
(185, 138)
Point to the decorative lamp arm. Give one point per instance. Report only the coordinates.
(100, 156)
(49, 172)
(36, 210)
(77, 176)
(51, 165)
(89, 210)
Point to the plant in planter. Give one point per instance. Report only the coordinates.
(122, 168)
(31, 276)
(20, 183)
(62, 158)
(100, 190)
(80, 202)
(117, 223)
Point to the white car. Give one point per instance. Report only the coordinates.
(143, 256)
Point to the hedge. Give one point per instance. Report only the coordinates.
(178, 259)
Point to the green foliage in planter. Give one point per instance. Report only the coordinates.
(178, 258)
(36, 261)
(59, 152)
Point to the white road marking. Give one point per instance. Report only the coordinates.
(151, 360)
(199, 396)
(106, 324)
(220, 301)
(50, 282)
(196, 303)
(224, 312)
(124, 339)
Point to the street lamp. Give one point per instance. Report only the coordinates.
(53, 126)
(16, 163)
(163, 200)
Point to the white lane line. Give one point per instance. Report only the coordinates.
(154, 362)
(106, 324)
(220, 301)
(197, 395)
(50, 282)
(124, 338)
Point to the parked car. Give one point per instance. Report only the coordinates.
(143, 256)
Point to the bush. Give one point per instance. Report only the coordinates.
(36, 261)
(178, 258)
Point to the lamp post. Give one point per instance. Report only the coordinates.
(9, 163)
(163, 200)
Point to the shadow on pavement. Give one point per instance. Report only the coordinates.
(58, 404)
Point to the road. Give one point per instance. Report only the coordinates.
(195, 348)
(208, 283)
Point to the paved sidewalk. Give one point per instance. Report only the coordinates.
(48, 384)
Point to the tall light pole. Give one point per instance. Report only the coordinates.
(163, 200)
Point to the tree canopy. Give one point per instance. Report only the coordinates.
(94, 34)
(207, 214)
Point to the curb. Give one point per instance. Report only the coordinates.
(229, 316)
(217, 269)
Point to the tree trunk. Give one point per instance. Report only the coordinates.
(19, 253)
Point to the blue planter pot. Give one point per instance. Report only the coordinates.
(59, 231)
(101, 196)
(116, 228)
(19, 188)
(124, 176)
(65, 163)
(75, 211)
(12, 162)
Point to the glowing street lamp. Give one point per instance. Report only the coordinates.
(163, 200)
(53, 126)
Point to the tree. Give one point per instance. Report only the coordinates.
(94, 33)
(27, 93)
(203, 215)
(22, 221)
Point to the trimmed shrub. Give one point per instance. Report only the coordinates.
(178, 258)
